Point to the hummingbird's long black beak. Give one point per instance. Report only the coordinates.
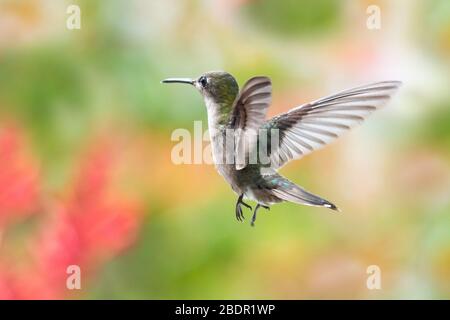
(178, 80)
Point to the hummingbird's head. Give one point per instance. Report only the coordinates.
(217, 87)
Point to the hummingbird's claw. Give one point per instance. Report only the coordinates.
(252, 223)
(239, 213)
(247, 205)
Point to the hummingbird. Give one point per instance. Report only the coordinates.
(298, 132)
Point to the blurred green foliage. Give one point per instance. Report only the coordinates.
(293, 18)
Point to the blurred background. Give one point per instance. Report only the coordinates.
(86, 176)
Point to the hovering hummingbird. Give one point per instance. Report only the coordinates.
(299, 131)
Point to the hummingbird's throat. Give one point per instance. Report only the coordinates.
(218, 112)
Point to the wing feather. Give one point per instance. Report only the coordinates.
(313, 125)
(249, 113)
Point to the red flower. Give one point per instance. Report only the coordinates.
(90, 226)
(19, 183)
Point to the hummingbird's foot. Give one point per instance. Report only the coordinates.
(247, 205)
(256, 210)
(239, 214)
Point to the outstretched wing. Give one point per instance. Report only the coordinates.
(313, 125)
(249, 113)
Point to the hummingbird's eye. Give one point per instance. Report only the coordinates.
(203, 81)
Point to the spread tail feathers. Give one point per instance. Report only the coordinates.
(289, 191)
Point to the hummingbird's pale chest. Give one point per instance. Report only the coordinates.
(223, 156)
(221, 148)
